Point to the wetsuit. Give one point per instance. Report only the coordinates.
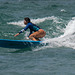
(32, 28)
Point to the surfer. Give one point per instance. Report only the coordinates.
(38, 32)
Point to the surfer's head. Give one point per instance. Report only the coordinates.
(26, 20)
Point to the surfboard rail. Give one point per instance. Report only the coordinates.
(7, 43)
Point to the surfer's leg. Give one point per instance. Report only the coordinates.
(33, 38)
(41, 33)
(36, 35)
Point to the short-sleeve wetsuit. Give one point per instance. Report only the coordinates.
(32, 28)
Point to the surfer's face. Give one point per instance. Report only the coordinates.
(25, 22)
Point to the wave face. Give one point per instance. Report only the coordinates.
(53, 16)
(59, 32)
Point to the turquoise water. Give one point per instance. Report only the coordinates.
(57, 18)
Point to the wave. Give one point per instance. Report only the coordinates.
(65, 40)
(36, 21)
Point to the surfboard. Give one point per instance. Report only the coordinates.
(19, 44)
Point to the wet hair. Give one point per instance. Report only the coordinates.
(27, 19)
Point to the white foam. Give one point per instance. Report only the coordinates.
(63, 10)
(19, 23)
(66, 40)
(70, 28)
(39, 20)
(36, 21)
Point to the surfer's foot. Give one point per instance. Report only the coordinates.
(38, 39)
(34, 39)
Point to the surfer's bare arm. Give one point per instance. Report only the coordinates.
(16, 34)
(19, 33)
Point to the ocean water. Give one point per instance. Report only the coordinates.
(57, 18)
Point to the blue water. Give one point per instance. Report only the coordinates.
(57, 18)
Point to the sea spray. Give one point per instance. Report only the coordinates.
(70, 28)
(36, 21)
(65, 40)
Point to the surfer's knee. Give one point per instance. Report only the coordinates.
(33, 38)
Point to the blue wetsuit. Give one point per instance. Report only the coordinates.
(32, 28)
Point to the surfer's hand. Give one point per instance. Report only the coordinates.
(27, 38)
(16, 35)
